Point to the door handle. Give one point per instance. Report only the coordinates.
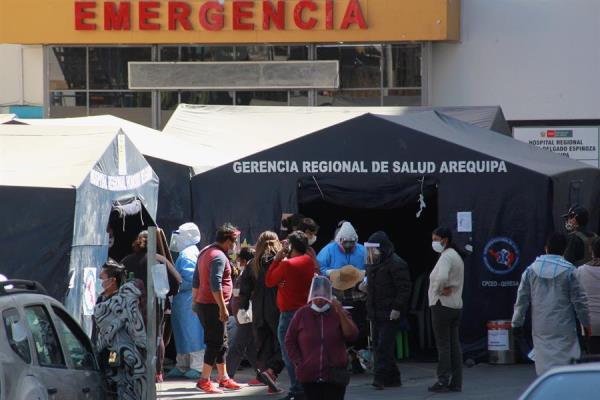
(86, 390)
(52, 390)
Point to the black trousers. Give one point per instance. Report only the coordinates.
(593, 345)
(215, 334)
(268, 351)
(445, 323)
(323, 391)
(384, 344)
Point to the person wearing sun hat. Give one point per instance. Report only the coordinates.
(345, 281)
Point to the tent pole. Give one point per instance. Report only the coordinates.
(151, 317)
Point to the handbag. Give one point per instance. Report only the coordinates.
(339, 376)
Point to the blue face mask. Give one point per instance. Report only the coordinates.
(99, 287)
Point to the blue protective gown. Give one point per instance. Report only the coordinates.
(187, 330)
(333, 257)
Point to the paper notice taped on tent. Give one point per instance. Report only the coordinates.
(464, 221)
(120, 183)
(89, 291)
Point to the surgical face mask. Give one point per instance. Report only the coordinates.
(438, 247)
(312, 240)
(99, 287)
(569, 227)
(318, 309)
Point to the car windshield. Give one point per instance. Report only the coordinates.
(571, 385)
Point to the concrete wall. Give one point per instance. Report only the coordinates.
(538, 59)
(21, 75)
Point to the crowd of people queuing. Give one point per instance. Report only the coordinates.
(282, 306)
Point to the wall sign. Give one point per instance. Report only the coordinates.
(579, 143)
(370, 167)
(227, 21)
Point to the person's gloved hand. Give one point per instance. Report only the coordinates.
(394, 315)
(363, 287)
(517, 331)
(243, 317)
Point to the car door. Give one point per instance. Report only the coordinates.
(50, 368)
(83, 366)
(16, 378)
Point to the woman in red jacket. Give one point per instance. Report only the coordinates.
(316, 343)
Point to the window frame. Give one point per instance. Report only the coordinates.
(78, 333)
(46, 310)
(27, 338)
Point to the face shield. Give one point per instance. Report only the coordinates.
(320, 289)
(372, 253)
(173, 244)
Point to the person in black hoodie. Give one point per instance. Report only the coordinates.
(388, 294)
(265, 314)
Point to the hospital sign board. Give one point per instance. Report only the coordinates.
(577, 142)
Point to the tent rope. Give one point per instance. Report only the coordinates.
(318, 187)
(421, 201)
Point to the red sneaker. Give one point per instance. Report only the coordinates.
(206, 386)
(271, 391)
(230, 384)
(269, 379)
(255, 382)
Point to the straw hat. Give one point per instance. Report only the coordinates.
(346, 277)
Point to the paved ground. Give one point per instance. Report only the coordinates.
(481, 382)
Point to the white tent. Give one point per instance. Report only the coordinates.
(174, 160)
(234, 132)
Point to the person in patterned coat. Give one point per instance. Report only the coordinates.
(120, 332)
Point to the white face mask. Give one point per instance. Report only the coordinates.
(438, 247)
(312, 240)
(318, 309)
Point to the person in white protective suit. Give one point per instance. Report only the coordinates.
(550, 286)
(187, 330)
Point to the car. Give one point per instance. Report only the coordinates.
(44, 353)
(573, 382)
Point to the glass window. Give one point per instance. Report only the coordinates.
(16, 333)
(133, 106)
(169, 53)
(67, 68)
(46, 342)
(402, 97)
(65, 104)
(108, 65)
(349, 98)
(243, 98)
(78, 346)
(360, 66)
(402, 67)
(207, 97)
(299, 98)
(207, 53)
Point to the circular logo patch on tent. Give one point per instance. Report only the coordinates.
(501, 255)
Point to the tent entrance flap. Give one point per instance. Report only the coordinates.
(410, 234)
(127, 219)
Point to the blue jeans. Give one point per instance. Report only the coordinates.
(285, 318)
